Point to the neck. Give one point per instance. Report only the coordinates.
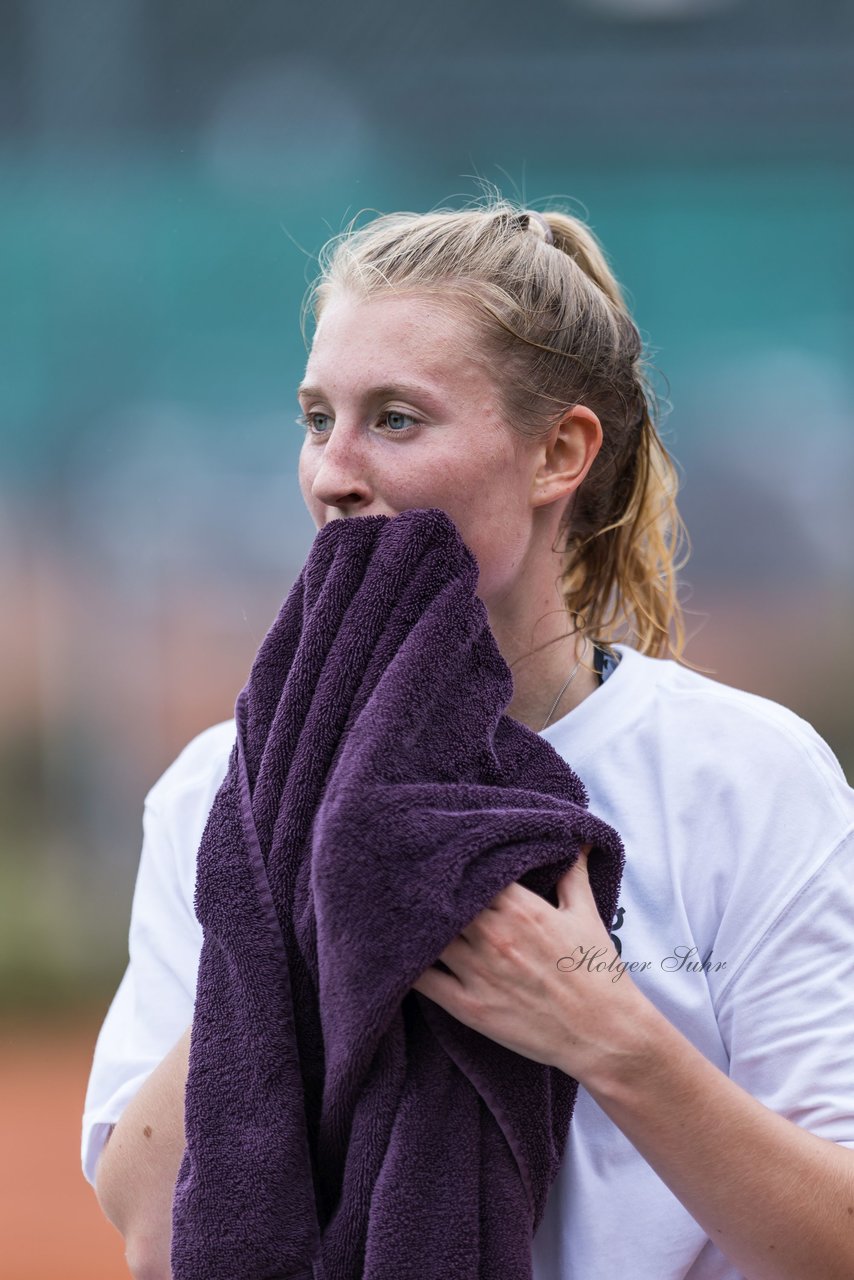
(536, 632)
(540, 658)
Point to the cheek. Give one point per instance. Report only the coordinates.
(305, 475)
(497, 544)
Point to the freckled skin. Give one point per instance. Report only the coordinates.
(463, 460)
(444, 444)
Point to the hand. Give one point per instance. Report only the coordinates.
(507, 983)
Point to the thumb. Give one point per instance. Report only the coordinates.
(577, 872)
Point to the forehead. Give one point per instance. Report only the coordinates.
(385, 337)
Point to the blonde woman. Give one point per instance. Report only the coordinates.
(483, 360)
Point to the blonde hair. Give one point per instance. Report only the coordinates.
(550, 324)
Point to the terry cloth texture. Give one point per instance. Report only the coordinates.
(339, 1125)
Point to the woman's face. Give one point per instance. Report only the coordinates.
(400, 417)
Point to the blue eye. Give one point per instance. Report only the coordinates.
(391, 416)
(305, 420)
(395, 413)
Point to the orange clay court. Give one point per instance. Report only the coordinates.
(50, 1222)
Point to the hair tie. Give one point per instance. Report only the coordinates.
(549, 234)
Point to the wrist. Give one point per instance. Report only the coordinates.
(628, 1047)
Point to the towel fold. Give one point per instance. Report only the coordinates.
(339, 1125)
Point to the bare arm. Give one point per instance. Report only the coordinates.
(136, 1172)
(777, 1200)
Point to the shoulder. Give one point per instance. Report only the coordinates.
(734, 801)
(738, 737)
(199, 767)
(175, 812)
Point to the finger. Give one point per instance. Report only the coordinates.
(512, 891)
(456, 951)
(577, 872)
(438, 986)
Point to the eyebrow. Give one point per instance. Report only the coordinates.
(386, 391)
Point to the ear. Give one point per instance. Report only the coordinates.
(566, 455)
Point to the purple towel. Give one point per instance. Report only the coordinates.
(339, 1125)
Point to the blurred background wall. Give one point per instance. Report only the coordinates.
(168, 172)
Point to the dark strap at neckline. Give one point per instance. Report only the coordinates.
(605, 660)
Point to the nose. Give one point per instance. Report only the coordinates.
(341, 476)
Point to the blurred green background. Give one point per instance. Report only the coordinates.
(169, 172)
(168, 175)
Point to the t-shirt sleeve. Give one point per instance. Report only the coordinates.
(787, 1013)
(153, 1004)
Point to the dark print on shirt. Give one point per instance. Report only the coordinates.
(618, 924)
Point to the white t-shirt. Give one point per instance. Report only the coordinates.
(738, 826)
